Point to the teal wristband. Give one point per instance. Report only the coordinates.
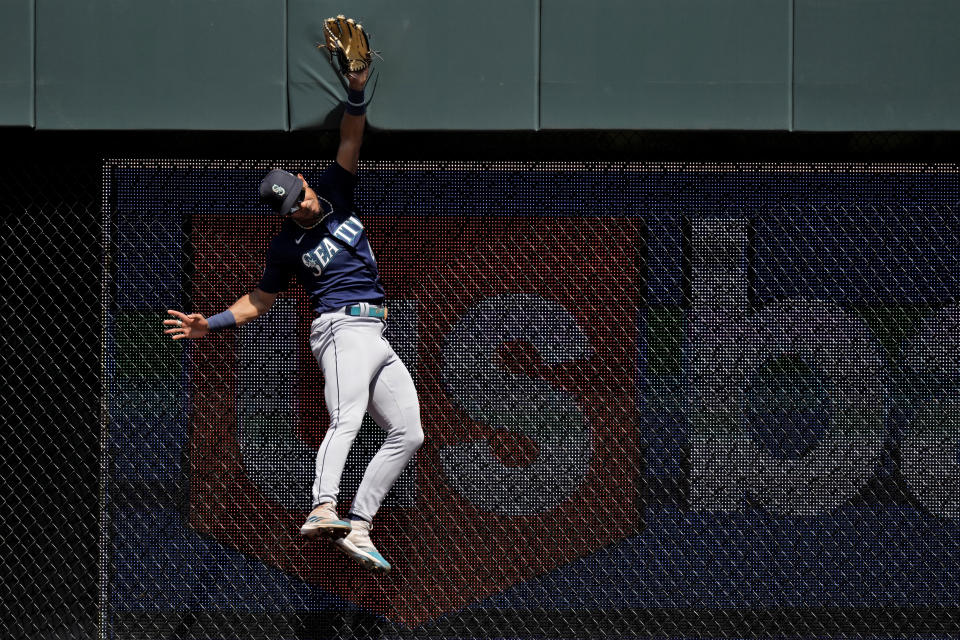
(355, 102)
(221, 321)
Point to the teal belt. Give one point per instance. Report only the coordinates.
(366, 310)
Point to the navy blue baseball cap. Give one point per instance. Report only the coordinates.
(281, 190)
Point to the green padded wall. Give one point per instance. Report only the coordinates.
(873, 65)
(162, 64)
(16, 63)
(665, 64)
(455, 64)
(812, 65)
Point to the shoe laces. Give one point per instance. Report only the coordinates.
(326, 510)
(361, 529)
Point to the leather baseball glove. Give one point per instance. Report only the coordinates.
(347, 42)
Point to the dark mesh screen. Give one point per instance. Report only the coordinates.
(661, 400)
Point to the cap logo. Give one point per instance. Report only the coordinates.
(280, 191)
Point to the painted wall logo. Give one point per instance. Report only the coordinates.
(771, 362)
(730, 346)
(526, 371)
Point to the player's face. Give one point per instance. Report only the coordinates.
(309, 209)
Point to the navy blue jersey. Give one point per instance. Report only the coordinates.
(332, 260)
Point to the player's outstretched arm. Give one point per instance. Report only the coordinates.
(352, 124)
(249, 307)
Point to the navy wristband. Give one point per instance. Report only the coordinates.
(221, 321)
(356, 105)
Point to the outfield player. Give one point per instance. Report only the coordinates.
(323, 243)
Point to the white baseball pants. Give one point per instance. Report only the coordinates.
(363, 374)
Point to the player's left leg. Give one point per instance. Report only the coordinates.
(395, 407)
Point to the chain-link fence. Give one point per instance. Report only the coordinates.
(661, 400)
(50, 462)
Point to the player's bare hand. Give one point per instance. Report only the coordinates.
(185, 326)
(358, 80)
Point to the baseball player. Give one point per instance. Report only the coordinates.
(323, 243)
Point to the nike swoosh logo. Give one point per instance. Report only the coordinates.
(297, 241)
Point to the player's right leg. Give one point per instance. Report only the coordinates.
(350, 353)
